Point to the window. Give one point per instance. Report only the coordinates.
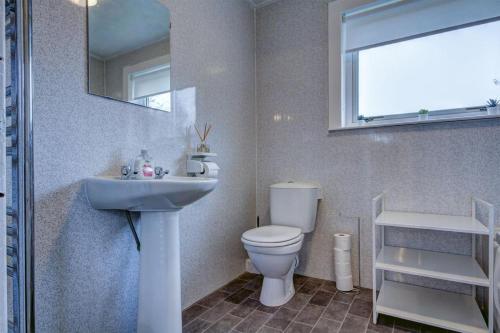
(151, 87)
(401, 56)
(148, 83)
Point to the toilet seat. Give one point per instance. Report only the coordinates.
(272, 236)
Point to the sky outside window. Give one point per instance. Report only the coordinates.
(450, 70)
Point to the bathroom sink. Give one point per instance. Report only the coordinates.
(159, 202)
(167, 194)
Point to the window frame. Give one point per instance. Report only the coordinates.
(343, 113)
(129, 71)
(146, 101)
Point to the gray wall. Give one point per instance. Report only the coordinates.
(97, 76)
(86, 271)
(114, 66)
(428, 168)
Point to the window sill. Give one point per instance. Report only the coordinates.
(411, 121)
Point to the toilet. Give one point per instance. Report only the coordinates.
(274, 249)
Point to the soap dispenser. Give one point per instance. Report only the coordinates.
(144, 166)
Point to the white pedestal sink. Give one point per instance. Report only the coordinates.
(159, 202)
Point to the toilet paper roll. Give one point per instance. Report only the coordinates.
(341, 255)
(344, 283)
(343, 270)
(210, 169)
(342, 241)
(346, 264)
(342, 263)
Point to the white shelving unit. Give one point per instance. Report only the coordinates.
(434, 307)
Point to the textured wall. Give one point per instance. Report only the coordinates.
(86, 264)
(97, 76)
(428, 168)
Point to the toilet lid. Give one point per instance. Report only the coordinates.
(271, 234)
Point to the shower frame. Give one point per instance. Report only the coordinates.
(20, 151)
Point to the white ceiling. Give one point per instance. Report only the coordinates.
(120, 26)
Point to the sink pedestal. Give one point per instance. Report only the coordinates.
(160, 279)
(159, 201)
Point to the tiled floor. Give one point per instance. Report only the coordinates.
(317, 307)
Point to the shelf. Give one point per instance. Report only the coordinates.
(195, 154)
(430, 306)
(464, 224)
(444, 266)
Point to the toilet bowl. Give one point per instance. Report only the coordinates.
(273, 251)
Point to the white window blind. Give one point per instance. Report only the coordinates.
(150, 82)
(389, 20)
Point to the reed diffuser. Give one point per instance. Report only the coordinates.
(203, 147)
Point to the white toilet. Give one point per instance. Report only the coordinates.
(273, 249)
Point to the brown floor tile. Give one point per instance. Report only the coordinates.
(253, 322)
(245, 308)
(234, 285)
(299, 280)
(236, 308)
(298, 301)
(224, 325)
(354, 324)
(329, 286)
(321, 298)
(254, 284)
(327, 326)
(344, 297)
(406, 326)
(310, 287)
(266, 329)
(361, 308)
(282, 318)
(255, 295)
(247, 276)
(384, 324)
(239, 296)
(214, 298)
(196, 326)
(316, 281)
(365, 294)
(268, 309)
(310, 314)
(336, 311)
(191, 313)
(298, 328)
(217, 311)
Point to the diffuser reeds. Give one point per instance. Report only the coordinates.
(206, 131)
(203, 134)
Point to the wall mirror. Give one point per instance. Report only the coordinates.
(129, 51)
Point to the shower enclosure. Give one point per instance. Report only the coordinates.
(16, 169)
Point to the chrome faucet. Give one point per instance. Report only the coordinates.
(126, 170)
(159, 172)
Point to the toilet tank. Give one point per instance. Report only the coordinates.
(295, 204)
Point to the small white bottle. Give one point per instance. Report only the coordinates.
(144, 166)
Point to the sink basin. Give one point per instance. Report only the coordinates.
(167, 194)
(159, 202)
